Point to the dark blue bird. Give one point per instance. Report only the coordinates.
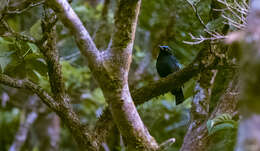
(167, 64)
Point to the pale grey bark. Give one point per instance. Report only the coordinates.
(112, 67)
(25, 125)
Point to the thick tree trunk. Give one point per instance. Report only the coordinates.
(197, 137)
(114, 83)
(249, 129)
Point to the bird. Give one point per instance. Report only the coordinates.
(166, 64)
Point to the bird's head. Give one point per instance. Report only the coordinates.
(165, 49)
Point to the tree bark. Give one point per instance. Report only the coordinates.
(197, 137)
(249, 130)
(25, 126)
(111, 68)
(117, 61)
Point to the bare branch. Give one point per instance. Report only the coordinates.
(21, 135)
(238, 20)
(71, 21)
(19, 11)
(197, 14)
(166, 144)
(65, 111)
(25, 126)
(234, 23)
(201, 39)
(26, 84)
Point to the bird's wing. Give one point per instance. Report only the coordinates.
(179, 65)
(175, 65)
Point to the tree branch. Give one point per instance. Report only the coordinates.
(12, 33)
(249, 131)
(26, 84)
(114, 82)
(154, 89)
(165, 85)
(16, 10)
(51, 54)
(71, 21)
(21, 135)
(65, 111)
(25, 125)
(25, 8)
(228, 103)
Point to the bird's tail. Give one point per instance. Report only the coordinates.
(179, 97)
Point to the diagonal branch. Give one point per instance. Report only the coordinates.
(23, 130)
(25, 125)
(28, 85)
(65, 111)
(195, 9)
(21, 10)
(19, 36)
(82, 37)
(11, 10)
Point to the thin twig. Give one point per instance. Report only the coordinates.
(31, 5)
(197, 14)
(17, 35)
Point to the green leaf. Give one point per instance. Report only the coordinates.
(34, 62)
(220, 127)
(36, 30)
(223, 121)
(5, 59)
(33, 47)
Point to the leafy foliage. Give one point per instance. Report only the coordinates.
(221, 122)
(9, 122)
